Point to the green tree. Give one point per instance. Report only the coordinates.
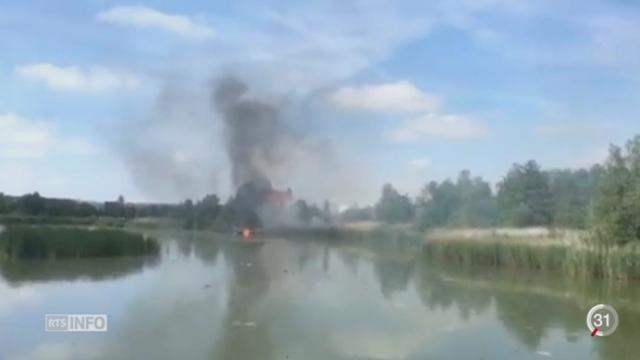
(201, 215)
(130, 211)
(476, 204)
(115, 208)
(187, 212)
(436, 203)
(226, 218)
(208, 207)
(32, 204)
(616, 212)
(187, 209)
(393, 207)
(85, 209)
(524, 196)
(572, 191)
(59, 207)
(467, 202)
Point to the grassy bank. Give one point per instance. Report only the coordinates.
(566, 251)
(9, 220)
(95, 221)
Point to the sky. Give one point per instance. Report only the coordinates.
(102, 98)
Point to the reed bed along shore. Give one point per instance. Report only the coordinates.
(568, 251)
(51, 242)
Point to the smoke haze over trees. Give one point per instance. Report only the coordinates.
(467, 202)
(393, 207)
(603, 197)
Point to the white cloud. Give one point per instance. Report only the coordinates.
(419, 164)
(23, 138)
(401, 96)
(37, 156)
(96, 78)
(437, 126)
(144, 17)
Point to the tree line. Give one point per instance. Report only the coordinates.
(605, 198)
(526, 196)
(208, 212)
(36, 205)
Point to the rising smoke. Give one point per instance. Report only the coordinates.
(254, 133)
(215, 137)
(173, 150)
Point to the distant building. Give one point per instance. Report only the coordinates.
(280, 198)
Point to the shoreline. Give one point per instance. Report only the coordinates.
(571, 252)
(568, 252)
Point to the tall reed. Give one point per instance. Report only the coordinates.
(573, 253)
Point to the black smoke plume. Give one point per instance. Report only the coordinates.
(253, 137)
(253, 133)
(215, 137)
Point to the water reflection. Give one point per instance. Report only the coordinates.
(437, 293)
(534, 308)
(21, 272)
(211, 297)
(531, 320)
(393, 275)
(244, 333)
(626, 346)
(198, 244)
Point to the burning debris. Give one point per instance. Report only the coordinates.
(257, 204)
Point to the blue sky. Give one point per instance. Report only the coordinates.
(400, 91)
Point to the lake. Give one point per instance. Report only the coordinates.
(203, 296)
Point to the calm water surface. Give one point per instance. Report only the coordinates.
(206, 298)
